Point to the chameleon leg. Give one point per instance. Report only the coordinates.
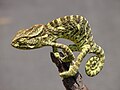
(55, 51)
(74, 68)
(73, 48)
(70, 56)
(95, 64)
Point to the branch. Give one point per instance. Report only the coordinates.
(70, 83)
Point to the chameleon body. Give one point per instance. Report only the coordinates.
(74, 28)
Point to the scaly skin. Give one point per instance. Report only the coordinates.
(74, 28)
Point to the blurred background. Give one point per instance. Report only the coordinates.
(33, 70)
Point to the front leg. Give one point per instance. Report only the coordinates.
(74, 67)
(69, 56)
(56, 52)
(57, 55)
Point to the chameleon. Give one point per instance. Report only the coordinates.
(72, 27)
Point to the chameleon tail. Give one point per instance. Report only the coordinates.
(95, 64)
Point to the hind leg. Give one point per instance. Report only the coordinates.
(74, 66)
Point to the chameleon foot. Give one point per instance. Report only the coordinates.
(71, 72)
(64, 59)
(57, 55)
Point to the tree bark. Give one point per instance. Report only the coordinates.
(70, 83)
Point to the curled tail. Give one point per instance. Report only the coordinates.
(95, 63)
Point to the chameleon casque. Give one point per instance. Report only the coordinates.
(74, 28)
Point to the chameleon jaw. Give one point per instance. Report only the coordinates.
(18, 46)
(28, 46)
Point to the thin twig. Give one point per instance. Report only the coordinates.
(70, 83)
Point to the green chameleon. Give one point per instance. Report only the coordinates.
(74, 28)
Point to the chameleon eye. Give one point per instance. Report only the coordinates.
(32, 41)
(22, 39)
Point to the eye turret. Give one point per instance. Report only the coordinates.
(23, 40)
(32, 41)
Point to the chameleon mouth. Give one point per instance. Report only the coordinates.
(19, 45)
(30, 46)
(15, 44)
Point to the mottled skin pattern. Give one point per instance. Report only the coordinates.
(74, 28)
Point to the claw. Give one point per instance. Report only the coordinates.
(57, 55)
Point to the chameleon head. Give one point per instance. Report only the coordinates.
(30, 38)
